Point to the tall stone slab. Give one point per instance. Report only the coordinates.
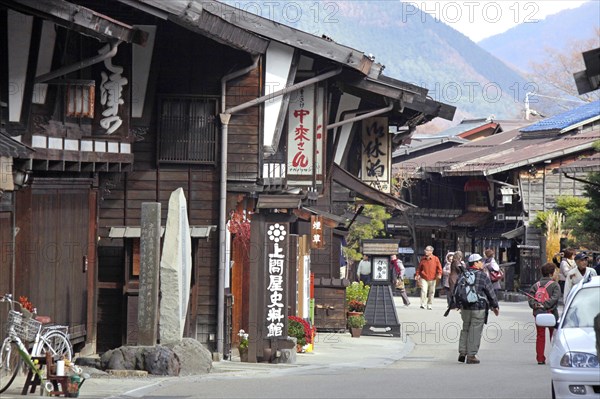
(149, 269)
(175, 270)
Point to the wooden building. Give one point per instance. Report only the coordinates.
(484, 194)
(261, 125)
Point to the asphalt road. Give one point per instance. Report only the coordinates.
(420, 364)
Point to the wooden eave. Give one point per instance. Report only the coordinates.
(192, 11)
(408, 95)
(10, 147)
(78, 18)
(368, 193)
(192, 17)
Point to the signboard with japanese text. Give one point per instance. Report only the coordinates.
(301, 137)
(376, 154)
(316, 232)
(381, 269)
(112, 95)
(320, 135)
(276, 258)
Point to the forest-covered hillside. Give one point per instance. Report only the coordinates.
(414, 47)
(529, 42)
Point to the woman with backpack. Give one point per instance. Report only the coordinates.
(544, 296)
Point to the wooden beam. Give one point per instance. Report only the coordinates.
(85, 20)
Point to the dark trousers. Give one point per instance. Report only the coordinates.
(365, 278)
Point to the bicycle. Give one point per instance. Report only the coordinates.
(23, 327)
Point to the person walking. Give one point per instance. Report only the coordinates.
(576, 275)
(427, 273)
(446, 273)
(490, 265)
(474, 315)
(363, 271)
(398, 281)
(456, 268)
(566, 265)
(541, 303)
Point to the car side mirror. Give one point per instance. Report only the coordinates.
(545, 320)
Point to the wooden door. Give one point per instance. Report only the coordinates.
(53, 250)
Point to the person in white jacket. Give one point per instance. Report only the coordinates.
(576, 275)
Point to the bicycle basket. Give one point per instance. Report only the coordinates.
(26, 328)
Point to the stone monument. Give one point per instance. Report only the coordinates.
(175, 270)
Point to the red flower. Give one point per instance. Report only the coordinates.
(24, 301)
(356, 306)
(307, 328)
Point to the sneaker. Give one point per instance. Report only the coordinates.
(422, 307)
(429, 307)
(472, 360)
(541, 362)
(461, 358)
(407, 304)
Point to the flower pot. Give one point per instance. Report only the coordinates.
(243, 354)
(72, 394)
(355, 332)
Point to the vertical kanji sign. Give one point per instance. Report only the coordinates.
(276, 309)
(301, 136)
(316, 232)
(376, 154)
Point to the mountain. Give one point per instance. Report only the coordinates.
(528, 41)
(414, 47)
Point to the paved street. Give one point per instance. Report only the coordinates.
(421, 364)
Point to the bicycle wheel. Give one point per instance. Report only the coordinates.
(10, 362)
(57, 344)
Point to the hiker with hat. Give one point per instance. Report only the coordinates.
(474, 315)
(576, 275)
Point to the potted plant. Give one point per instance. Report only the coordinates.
(243, 346)
(355, 307)
(356, 297)
(300, 329)
(356, 324)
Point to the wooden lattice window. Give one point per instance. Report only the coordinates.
(188, 130)
(79, 100)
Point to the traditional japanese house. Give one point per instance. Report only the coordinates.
(484, 194)
(262, 125)
(54, 101)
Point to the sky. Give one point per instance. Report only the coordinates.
(479, 19)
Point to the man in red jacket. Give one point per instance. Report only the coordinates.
(427, 274)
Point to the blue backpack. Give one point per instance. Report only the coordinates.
(464, 291)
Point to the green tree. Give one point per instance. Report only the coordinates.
(591, 222)
(374, 229)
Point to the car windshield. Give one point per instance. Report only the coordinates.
(583, 308)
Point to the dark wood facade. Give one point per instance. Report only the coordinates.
(89, 182)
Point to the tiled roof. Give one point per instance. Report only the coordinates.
(462, 127)
(500, 152)
(10, 147)
(587, 164)
(566, 119)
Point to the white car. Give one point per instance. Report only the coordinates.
(573, 357)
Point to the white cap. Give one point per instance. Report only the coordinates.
(474, 258)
